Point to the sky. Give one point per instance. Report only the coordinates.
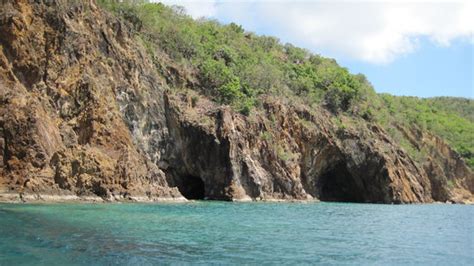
(415, 48)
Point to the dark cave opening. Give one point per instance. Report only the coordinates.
(337, 184)
(192, 187)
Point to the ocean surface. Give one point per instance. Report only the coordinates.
(206, 232)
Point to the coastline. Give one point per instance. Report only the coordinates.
(18, 198)
(15, 197)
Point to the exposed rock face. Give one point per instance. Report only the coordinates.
(287, 153)
(450, 178)
(65, 69)
(83, 111)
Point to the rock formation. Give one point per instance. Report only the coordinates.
(84, 111)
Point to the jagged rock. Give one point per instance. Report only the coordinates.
(276, 156)
(84, 112)
(61, 124)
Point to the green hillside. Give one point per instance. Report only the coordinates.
(236, 67)
(450, 118)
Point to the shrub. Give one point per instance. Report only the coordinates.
(234, 67)
(194, 100)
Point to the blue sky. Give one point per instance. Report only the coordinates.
(430, 71)
(417, 48)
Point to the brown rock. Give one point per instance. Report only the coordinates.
(83, 111)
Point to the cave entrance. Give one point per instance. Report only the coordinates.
(337, 184)
(192, 187)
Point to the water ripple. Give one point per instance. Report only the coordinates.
(235, 233)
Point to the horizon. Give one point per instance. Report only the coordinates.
(430, 55)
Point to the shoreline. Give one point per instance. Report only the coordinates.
(19, 198)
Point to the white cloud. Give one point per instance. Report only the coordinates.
(375, 32)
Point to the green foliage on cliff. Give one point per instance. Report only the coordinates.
(235, 67)
(450, 118)
(459, 106)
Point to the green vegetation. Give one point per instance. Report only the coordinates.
(450, 118)
(235, 67)
(459, 106)
(265, 135)
(283, 154)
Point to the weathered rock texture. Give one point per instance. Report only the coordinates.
(85, 111)
(68, 75)
(450, 178)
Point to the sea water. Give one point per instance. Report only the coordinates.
(208, 232)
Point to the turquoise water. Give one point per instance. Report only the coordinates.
(236, 233)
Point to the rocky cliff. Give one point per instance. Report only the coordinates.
(86, 111)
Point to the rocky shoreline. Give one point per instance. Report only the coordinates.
(12, 197)
(86, 110)
(19, 198)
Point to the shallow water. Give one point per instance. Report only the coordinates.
(235, 233)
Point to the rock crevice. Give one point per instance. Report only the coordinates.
(86, 111)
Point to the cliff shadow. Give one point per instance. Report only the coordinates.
(338, 184)
(191, 187)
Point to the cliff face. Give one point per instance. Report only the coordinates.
(450, 177)
(84, 111)
(287, 153)
(65, 69)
